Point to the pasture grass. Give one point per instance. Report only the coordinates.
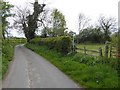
(87, 71)
(93, 47)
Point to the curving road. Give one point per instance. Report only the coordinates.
(29, 70)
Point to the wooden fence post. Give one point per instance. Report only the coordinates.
(106, 49)
(110, 51)
(100, 52)
(85, 50)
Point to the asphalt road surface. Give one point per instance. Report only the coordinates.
(29, 70)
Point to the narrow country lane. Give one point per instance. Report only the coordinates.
(30, 70)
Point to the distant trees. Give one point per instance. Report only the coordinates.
(52, 23)
(93, 35)
(99, 33)
(5, 8)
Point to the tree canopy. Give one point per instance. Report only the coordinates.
(59, 23)
(5, 8)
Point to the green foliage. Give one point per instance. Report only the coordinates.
(45, 32)
(61, 44)
(93, 61)
(114, 38)
(118, 40)
(93, 35)
(85, 70)
(36, 40)
(59, 23)
(5, 7)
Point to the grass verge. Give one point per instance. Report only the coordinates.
(85, 70)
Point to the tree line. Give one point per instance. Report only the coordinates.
(105, 28)
(52, 23)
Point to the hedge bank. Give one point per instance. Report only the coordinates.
(61, 44)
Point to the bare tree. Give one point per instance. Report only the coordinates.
(83, 22)
(20, 17)
(45, 23)
(45, 18)
(107, 25)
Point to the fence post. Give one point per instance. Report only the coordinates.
(85, 50)
(110, 51)
(100, 52)
(106, 49)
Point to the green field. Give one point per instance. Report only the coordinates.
(91, 47)
(91, 72)
(94, 47)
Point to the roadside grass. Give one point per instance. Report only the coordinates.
(8, 52)
(87, 71)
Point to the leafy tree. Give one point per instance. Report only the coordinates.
(93, 35)
(5, 7)
(59, 23)
(107, 25)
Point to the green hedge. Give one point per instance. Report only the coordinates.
(36, 40)
(61, 44)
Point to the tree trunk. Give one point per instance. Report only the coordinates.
(3, 34)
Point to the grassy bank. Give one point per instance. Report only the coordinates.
(7, 52)
(85, 70)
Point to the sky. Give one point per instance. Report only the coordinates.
(72, 8)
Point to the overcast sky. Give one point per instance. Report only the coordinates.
(71, 9)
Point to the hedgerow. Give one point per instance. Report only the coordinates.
(61, 44)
